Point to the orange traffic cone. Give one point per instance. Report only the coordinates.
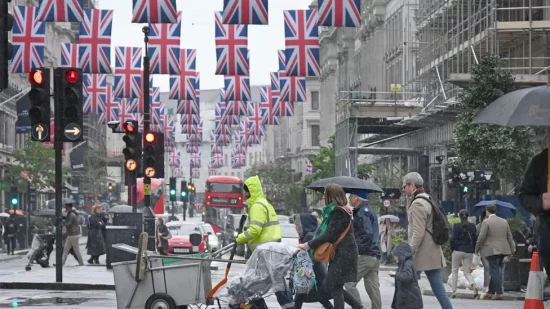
(535, 286)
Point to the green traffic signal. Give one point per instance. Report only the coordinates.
(14, 201)
(172, 192)
(465, 189)
(183, 193)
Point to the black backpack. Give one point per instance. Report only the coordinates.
(440, 225)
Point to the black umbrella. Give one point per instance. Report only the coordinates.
(524, 107)
(346, 182)
(51, 203)
(45, 212)
(121, 208)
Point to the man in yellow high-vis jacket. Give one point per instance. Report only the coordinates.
(263, 227)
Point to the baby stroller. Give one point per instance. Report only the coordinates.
(41, 248)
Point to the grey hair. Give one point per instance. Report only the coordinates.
(413, 179)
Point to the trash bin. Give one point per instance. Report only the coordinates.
(511, 275)
(120, 234)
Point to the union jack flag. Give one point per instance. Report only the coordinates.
(151, 92)
(191, 148)
(128, 110)
(237, 88)
(198, 88)
(238, 158)
(188, 107)
(223, 117)
(128, 83)
(95, 41)
(309, 167)
(293, 88)
(200, 128)
(231, 48)
(217, 160)
(269, 113)
(244, 131)
(254, 140)
(282, 59)
(284, 108)
(255, 119)
(183, 85)
(60, 10)
(164, 47)
(112, 107)
(223, 139)
(235, 108)
(215, 148)
(194, 139)
(195, 173)
(196, 159)
(302, 43)
(245, 12)
(212, 171)
(154, 11)
(95, 91)
(189, 123)
(339, 13)
(178, 172)
(69, 55)
(157, 108)
(174, 158)
(29, 37)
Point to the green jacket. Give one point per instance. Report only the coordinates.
(263, 223)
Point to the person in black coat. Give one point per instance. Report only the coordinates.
(163, 234)
(337, 216)
(10, 234)
(96, 239)
(306, 226)
(407, 292)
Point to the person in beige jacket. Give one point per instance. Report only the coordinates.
(427, 255)
(495, 242)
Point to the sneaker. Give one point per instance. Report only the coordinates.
(498, 297)
(476, 291)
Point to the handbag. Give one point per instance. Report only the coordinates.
(326, 251)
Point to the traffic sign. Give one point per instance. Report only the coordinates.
(387, 203)
(39, 132)
(72, 132)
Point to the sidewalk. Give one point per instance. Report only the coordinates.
(4, 257)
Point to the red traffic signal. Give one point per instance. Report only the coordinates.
(129, 127)
(72, 77)
(36, 78)
(150, 138)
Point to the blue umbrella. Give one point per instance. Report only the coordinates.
(504, 209)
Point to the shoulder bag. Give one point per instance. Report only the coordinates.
(326, 251)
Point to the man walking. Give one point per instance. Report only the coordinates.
(495, 242)
(73, 235)
(365, 230)
(263, 227)
(427, 255)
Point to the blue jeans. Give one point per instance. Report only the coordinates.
(497, 274)
(438, 288)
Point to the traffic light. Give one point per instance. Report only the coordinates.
(14, 198)
(465, 189)
(184, 191)
(39, 112)
(68, 96)
(110, 187)
(191, 187)
(132, 139)
(6, 47)
(153, 154)
(173, 189)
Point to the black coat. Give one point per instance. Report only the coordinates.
(343, 268)
(96, 239)
(11, 228)
(162, 232)
(531, 189)
(407, 292)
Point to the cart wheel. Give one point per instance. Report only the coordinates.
(28, 267)
(160, 301)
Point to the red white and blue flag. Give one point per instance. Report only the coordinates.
(151, 92)
(214, 147)
(237, 88)
(268, 104)
(112, 107)
(69, 55)
(60, 10)
(293, 88)
(198, 88)
(188, 107)
(183, 86)
(254, 140)
(164, 47)
(244, 131)
(235, 108)
(128, 83)
(231, 48)
(223, 139)
(282, 59)
(255, 119)
(339, 13)
(191, 148)
(29, 38)
(216, 160)
(238, 158)
(128, 110)
(157, 111)
(211, 170)
(194, 139)
(95, 41)
(95, 93)
(189, 123)
(245, 12)
(154, 11)
(196, 159)
(195, 173)
(302, 43)
(174, 158)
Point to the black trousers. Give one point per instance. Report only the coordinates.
(10, 241)
(342, 297)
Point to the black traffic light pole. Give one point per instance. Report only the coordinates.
(58, 146)
(148, 216)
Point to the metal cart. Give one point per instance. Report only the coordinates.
(163, 282)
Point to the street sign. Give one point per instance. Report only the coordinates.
(387, 203)
(147, 189)
(39, 132)
(395, 88)
(72, 132)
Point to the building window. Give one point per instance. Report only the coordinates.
(315, 132)
(315, 100)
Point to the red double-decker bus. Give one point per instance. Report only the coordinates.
(223, 195)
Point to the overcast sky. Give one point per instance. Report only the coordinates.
(198, 33)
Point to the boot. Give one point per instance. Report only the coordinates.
(91, 260)
(96, 260)
(476, 291)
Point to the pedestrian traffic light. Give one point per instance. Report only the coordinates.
(39, 112)
(465, 189)
(173, 189)
(6, 47)
(68, 96)
(184, 192)
(132, 139)
(14, 198)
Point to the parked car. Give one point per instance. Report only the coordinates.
(289, 235)
(283, 219)
(180, 242)
(213, 240)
